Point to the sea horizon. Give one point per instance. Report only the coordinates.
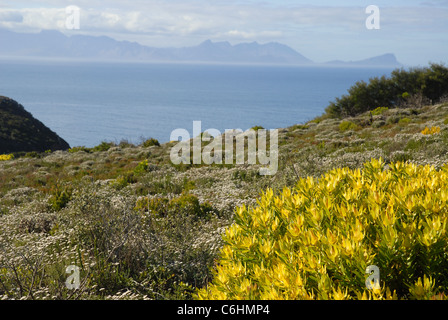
(87, 102)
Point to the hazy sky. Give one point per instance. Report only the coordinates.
(322, 30)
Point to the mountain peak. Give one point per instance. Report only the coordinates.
(384, 60)
(206, 42)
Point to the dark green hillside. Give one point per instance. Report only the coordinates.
(20, 131)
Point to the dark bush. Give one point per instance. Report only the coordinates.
(416, 87)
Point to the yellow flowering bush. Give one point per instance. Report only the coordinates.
(431, 131)
(5, 157)
(316, 240)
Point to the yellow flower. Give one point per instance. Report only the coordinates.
(266, 248)
(348, 246)
(6, 157)
(358, 233)
(339, 294)
(331, 237)
(312, 237)
(298, 245)
(333, 253)
(432, 130)
(285, 213)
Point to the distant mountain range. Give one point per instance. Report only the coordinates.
(54, 44)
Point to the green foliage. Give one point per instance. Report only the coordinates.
(430, 82)
(347, 125)
(184, 204)
(33, 154)
(141, 168)
(79, 149)
(157, 206)
(103, 146)
(256, 128)
(379, 111)
(60, 197)
(298, 127)
(404, 121)
(414, 145)
(155, 183)
(124, 180)
(150, 142)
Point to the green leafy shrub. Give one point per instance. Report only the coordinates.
(79, 149)
(185, 204)
(164, 184)
(379, 111)
(33, 154)
(430, 83)
(256, 128)
(347, 125)
(404, 121)
(141, 168)
(299, 127)
(158, 206)
(60, 197)
(103, 146)
(316, 240)
(150, 142)
(414, 145)
(124, 180)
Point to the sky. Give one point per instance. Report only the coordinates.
(416, 31)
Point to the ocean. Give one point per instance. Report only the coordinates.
(87, 102)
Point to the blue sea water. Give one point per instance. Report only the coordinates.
(87, 102)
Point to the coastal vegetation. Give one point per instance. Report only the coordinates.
(362, 185)
(414, 87)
